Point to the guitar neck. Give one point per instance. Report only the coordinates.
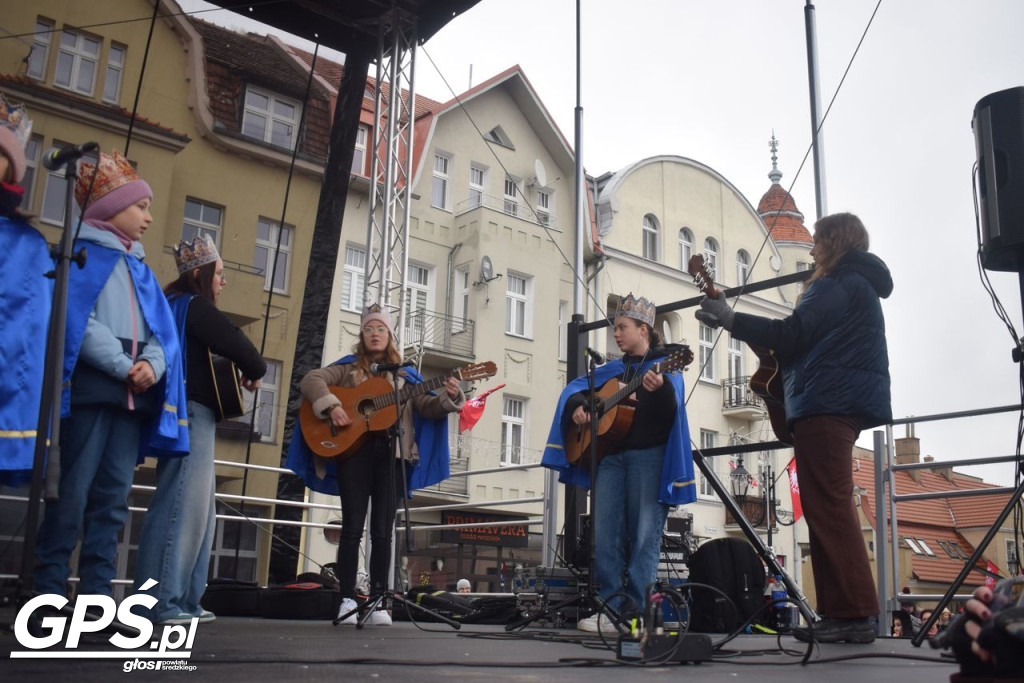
(410, 391)
(625, 391)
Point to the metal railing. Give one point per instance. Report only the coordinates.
(517, 208)
(440, 332)
(736, 393)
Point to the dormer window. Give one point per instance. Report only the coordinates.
(270, 117)
(498, 135)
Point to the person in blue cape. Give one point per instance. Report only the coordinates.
(640, 476)
(25, 298)
(364, 478)
(125, 395)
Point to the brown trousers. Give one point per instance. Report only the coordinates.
(824, 461)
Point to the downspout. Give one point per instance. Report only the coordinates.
(448, 295)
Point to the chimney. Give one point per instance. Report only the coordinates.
(908, 449)
(944, 472)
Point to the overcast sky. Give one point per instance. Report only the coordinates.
(711, 80)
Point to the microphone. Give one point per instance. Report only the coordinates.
(378, 368)
(57, 157)
(595, 356)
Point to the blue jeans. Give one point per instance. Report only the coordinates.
(628, 525)
(99, 449)
(178, 531)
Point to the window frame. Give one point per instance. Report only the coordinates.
(353, 279)
(57, 177)
(270, 116)
(742, 267)
(704, 489)
(359, 152)
(414, 332)
(207, 227)
(706, 337)
(510, 205)
(78, 55)
(441, 179)
(711, 249)
(460, 303)
(477, 191)
(519, 303)
(511, 424)
(545, 206)
(42, 38)
(269, 395)
(651, 231)
(33, 152)
(685, 241)
(117, 69)
(270, 245)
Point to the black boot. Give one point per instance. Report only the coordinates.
(837, 631)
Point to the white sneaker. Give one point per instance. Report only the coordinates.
(379, 617)
(348, 605)
(597, 621)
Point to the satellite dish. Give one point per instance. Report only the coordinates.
(486, 269)
(539, 173)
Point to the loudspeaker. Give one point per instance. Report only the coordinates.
(998, 126)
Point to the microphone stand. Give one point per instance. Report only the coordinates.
(378, 595)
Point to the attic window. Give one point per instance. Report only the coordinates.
(954, 550)
(913, 546)
(924, 546)
(498, 135)
(270, 117)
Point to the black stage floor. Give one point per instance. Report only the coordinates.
(253, 650)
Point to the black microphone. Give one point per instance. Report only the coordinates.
(377, 368)
(57, 157)
(595, 356)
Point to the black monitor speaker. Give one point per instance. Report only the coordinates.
(998, 125)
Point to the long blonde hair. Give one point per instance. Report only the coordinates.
(391, 354)
(834, 237)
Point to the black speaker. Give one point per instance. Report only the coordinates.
(998, 125)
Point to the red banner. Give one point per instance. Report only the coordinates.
(992, 577)
(794, 490)
(474, 408)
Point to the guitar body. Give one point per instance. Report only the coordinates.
(328, 441)
(767, 383)
(226, 387)
(612, 427)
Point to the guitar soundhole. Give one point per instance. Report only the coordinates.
(365, 408)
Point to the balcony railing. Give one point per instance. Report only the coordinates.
(439, 332)
(736, 393)
(511, 207)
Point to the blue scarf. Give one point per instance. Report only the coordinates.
(677, 481)
(166, 434)
(431, 440)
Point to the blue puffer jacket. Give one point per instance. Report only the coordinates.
(832, 349)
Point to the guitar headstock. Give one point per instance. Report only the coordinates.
(476, 371)
(703, 277)
(675, 362)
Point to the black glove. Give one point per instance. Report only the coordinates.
(715, 313)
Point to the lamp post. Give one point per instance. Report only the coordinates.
(739, 481)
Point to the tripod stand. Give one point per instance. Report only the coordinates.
(396, 452)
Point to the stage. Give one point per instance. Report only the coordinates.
(252, 650)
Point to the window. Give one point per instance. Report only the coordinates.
(924, 546)
(736, 369)
(511, 196)
(37, 57)
(650, 237)
(513, 428)
(461, 298)
(416, 297)
(266, 246)
(497, 134)
(32, 149)
(707, 440)
(544, 207)
(711, 256)
(707, 353)
(359, 154)
(439, 184)
(742, 267)
(270, 117)
(76, 62)
(477, 185)
(115, 69)
(685, 248)
(54, 199)
(201, 219)
(518, 305)
(1012, 557)
(801, 267)
(353, 279)
(563, 330)
(266, 411)
(913, 546)
(235, 538)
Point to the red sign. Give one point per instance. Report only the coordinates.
(506, 535)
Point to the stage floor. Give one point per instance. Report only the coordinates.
(252, 650)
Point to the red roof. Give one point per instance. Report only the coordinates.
(780, 215)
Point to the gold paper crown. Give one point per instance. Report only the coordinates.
(199, 251)
(114, 171)
(639, 309)
(14, 117)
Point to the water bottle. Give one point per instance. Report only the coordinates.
(780, 607)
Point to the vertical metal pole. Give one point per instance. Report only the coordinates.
(881, 568)
(818, 145)
(894, 534)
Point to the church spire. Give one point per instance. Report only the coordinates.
(775, 175)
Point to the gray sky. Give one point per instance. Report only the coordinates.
(711, 80)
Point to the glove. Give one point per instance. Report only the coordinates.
(715, 313)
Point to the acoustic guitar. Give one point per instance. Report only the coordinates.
(615, 410)
(767, 381)
(371, 407)
(226, 387)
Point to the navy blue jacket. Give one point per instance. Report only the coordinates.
(832, 349)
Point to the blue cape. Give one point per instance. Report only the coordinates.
(431, 440)
(25, 298)
(166, 434)
(677, 481)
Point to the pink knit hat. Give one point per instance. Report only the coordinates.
(374, 312)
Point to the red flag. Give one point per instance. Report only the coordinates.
(474, 408)
(991, 578)
(794, 490)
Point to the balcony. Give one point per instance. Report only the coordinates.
(439, 333)
(738, 400)
(754, 509)
(517, 207)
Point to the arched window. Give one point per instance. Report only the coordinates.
(742, 267)
(711, 256)
(685, 247)
(650, 250)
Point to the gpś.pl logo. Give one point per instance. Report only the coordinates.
(174, 643)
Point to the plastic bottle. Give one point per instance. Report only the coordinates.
(780, 608)
(768, 616)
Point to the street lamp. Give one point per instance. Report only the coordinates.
(739, 481)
